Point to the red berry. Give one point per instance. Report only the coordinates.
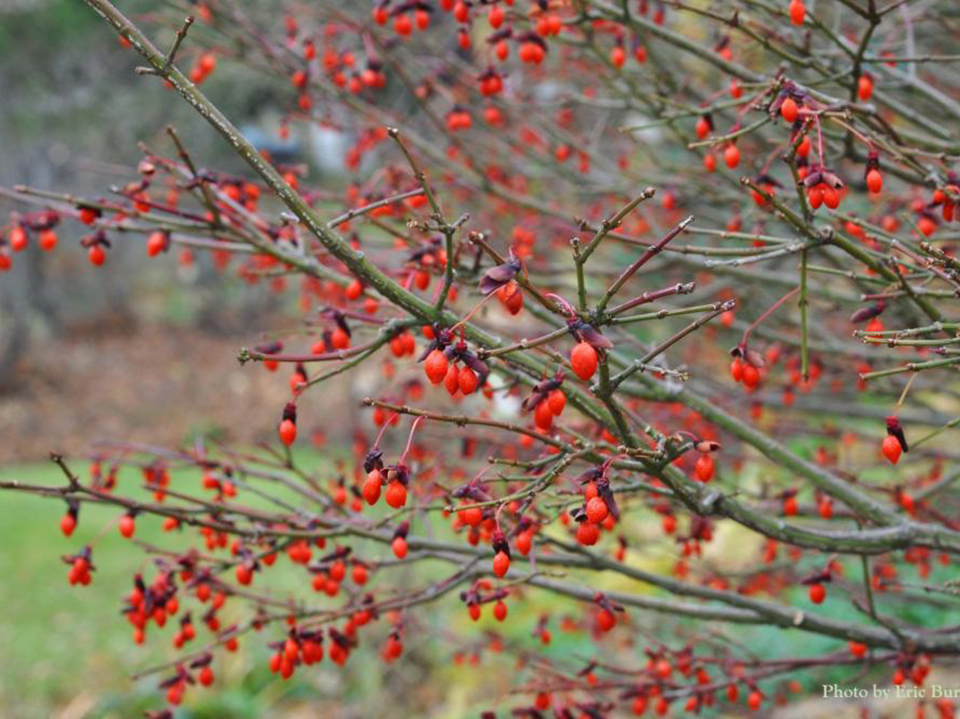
(96, 255)
(797, 12)
(468, 380)
(857, 649)
(500, 611)
(731, 156)
(371, 487)
(399, 547)
(244, 574)
(156, 243)
(704, 467)
(754, 700)
(606, 620)
(892, 448)
(47, 240)
(588, 534)
(501, 564)
(751, 375)
(543, 416)
(396, 494)
(789, 110)
(127, 526)
(557, 400)
(597, 510)
(790, 506)
(288, 431)
(67, 524)
(874, 181)
(817, 593)
(618, 56)
(435, 366)
(18, 238)
(584, 360)
(205, 676)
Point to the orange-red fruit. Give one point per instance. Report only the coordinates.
(874, 181)
(96, 255)
(731, 156)
(47, 240)
(597, 510)
(583, 359)
(371, 487)
(396, 494)
(557, 400)
(205, 676)
(18, 238)
(817, 593)
(892, 448)
(588, 534)
(704, 468)
(500, 611)
(435, 366)
(287, 431)
(127, 526)
(751, 375)
(244, 574)
(797, 12)
(543, 416)
(155, 244)
(789, 110)
(67, 524)
(501, 563)
(606, 620)
(399, 547)
(468, 380)
(618, 56)
(754, 700)
(790, 506)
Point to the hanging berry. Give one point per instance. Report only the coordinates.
(288, 425)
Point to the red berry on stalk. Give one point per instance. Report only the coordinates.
(790, 507)
(501, 564)
(468, 380)
(127, 525)
(67, 524)
(597, 510)
(543, 416)
(618, 56)
(435, 366)
(244, 574)
(399, 547)
(557, 401)
(789, 110)
(751, 375)
(892, 449)
(797, 12)
(704, 467)
(500, 611)
(755, 700)
(396, 494)
(588, 534)
(583, 359)
(156, 243)
(96, 255)
(205, 676)
(287, 431)
(47, 240)
(371, 487)
(874, 181)
(817, 593)
(606, 620)
(731, 156)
